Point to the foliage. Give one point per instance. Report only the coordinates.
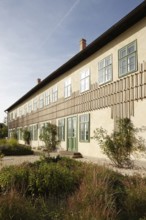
(26, 136)
(15, 207)
(3, 131)
(49, 137)
(14, 135)
(67, 189)
(121, 143)
(41, 178)
(16, 150)
(12, 147)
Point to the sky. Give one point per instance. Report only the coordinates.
(38, 36)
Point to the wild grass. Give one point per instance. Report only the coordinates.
(97, 193)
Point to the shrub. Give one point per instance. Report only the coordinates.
(120, 144)
(40, 178)
(26, 136)
(15, 150)
(49, 137)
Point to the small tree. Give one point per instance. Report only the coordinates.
(26, 136)
(49, 137)
(121, 143)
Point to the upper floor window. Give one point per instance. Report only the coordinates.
(25, 109)
(29, 107)
(42, 101)
(35, 104)
(47, 98)
(85, 81)
(128, 59)
(54, 94)
(67, 88)
(105, 70)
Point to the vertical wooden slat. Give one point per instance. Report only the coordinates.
(136, 86)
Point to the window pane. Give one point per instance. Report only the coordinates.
(105, 70)
(123, 66)
(127, 60)
(131, 63)
(85, 80)
(84, 127)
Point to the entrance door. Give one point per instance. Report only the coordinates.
(72, 134)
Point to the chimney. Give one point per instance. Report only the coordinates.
(38, 80)
(82, 44)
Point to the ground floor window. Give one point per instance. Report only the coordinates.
(84, 125)
(61, 129)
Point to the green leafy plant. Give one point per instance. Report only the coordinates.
(26, 136)
(121, 143)
(49, 137)
(3, 131)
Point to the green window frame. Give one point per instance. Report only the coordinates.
(61, 130)
(35, 132)
(128, 59)
(105, 70)
(84, 128)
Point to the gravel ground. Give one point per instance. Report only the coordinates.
(140, 166)
(16, 160)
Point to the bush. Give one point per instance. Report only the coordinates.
(40, 178)
(49, 137)
(121, 143)
(26, 136)
(15, 150)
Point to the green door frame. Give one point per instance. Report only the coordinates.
(72, 134)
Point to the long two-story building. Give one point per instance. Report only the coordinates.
(106, 80)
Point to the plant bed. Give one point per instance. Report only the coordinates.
(17, 150)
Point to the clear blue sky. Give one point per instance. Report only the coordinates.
(38, 36)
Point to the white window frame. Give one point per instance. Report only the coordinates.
(47, 98)
(128, 59)
(85, 81)
(105, 70)
(30, 107)
(41, 101)
(55, 94)
(67, 88)
(35, 104)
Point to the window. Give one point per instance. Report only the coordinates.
(128, 59)
(61, 129)
(35, 104)
(25, 109)
(20, 111)
(54, 94)
(105, 70)
(35, 132)
(84, 128)
(85, 81)
(67, 88)
(29, 107)
(47, 98)
(42, 101)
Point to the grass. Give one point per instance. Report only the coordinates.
(70, 190)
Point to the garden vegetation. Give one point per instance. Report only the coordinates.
(62, 188)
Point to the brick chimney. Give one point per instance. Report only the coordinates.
(82, 44)
(38, 80)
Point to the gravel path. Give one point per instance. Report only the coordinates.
(16, 160)
(140, 166)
